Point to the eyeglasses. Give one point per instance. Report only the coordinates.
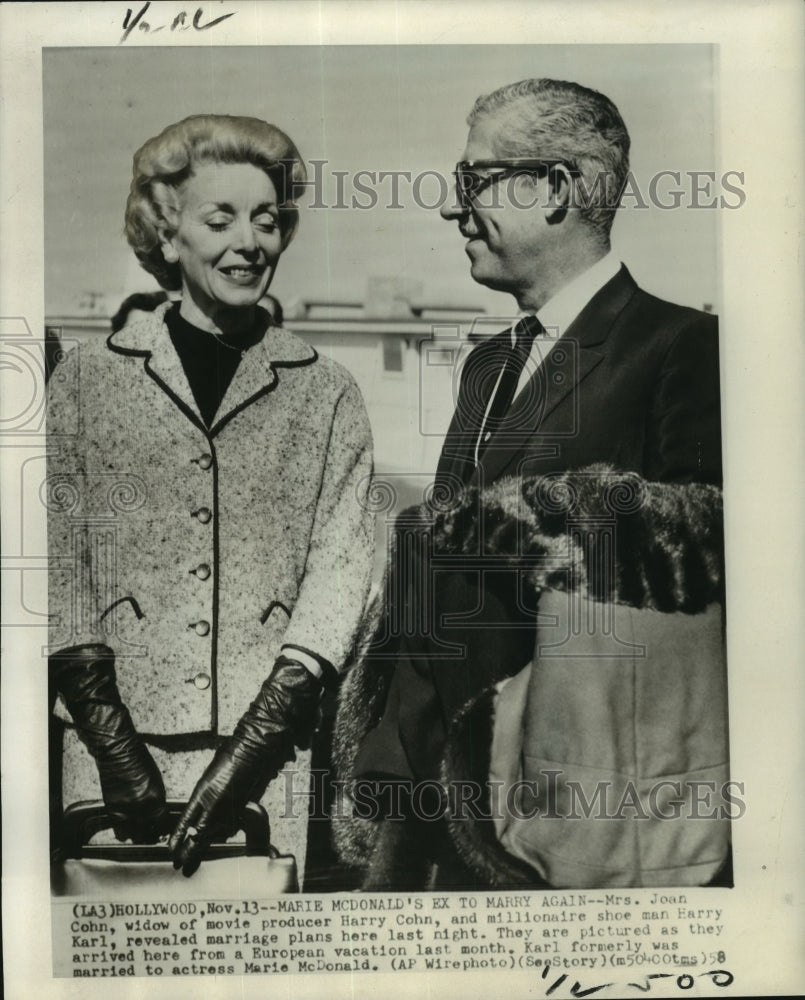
(470, 184)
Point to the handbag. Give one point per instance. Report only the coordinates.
(243, 868)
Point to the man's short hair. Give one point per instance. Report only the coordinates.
(555, 119)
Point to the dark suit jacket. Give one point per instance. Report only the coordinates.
(633, 382)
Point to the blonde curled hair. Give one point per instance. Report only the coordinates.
(167, 160)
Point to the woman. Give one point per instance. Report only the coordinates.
(205, 496)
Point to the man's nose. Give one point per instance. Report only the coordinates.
(453, 208)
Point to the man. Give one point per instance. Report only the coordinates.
(596, 371)
(638, 386)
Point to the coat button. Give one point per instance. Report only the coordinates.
(202, 572)
(202, 681)
(201, 628)
(204, 514)
(205, 461)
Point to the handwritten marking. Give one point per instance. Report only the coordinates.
(685, 981)
(132, 21)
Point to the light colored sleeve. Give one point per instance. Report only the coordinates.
(338, 571)
(74, 548)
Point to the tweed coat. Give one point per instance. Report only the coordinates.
(197, 553)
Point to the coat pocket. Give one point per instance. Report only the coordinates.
(124, 623)
(277, 608)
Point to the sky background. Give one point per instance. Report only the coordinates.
(399, 108)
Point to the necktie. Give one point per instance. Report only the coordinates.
(525, 331)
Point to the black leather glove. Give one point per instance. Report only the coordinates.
(284, 714)
(131, 784)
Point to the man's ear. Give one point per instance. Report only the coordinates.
(169, 251)
(560, 190)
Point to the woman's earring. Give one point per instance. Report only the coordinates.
(170, 253)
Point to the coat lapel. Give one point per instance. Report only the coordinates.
(147, 337)
(257, 372)
(572, 358)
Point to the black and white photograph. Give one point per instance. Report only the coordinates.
(383, 551)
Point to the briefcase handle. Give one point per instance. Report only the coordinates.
(82, 820)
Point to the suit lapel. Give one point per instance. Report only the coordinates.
(478, 379)
(561, 372)
(571, 359)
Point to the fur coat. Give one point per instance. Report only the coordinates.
(666, 543)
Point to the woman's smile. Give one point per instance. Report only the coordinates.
(243, 274)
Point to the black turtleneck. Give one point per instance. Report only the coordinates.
(210, 362)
